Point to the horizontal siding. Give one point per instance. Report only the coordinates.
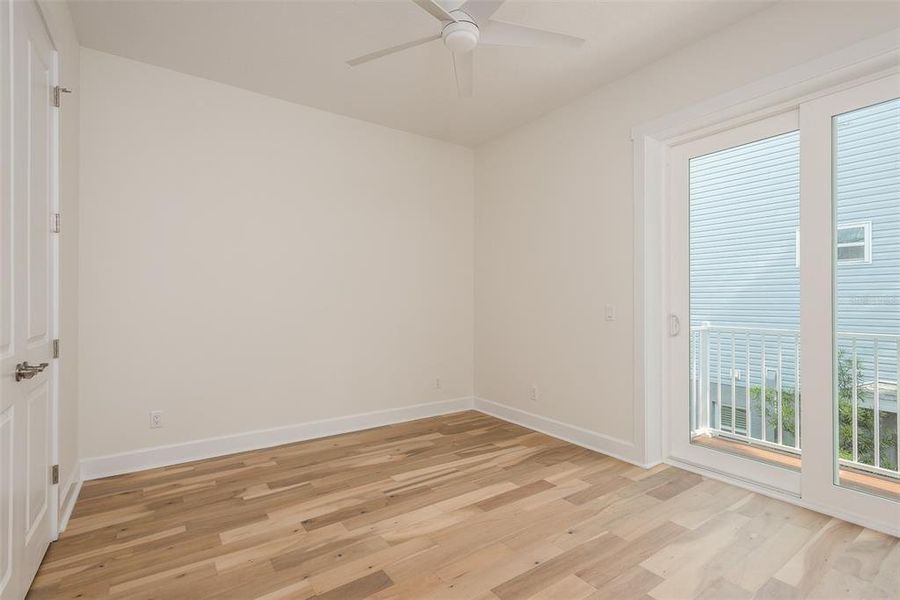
(867, 182)
(744, 213)
(867, 185)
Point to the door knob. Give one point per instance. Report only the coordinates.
(26, 371)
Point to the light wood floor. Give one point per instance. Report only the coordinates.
(461, 506)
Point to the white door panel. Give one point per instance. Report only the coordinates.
(6, 497)
(28, 502)
(37, 463)
(6, 202)
(37, 192)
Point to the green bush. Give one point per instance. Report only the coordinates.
(865, 419)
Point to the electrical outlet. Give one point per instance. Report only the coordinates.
(534, 394)
(437, 383)
(156, 420)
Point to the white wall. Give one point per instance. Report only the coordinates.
(554, 218)
(62, 31)
(247, 263)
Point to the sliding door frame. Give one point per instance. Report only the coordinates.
(870, 60)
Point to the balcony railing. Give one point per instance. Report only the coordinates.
(746, 385)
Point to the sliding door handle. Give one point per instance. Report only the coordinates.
(674, 325)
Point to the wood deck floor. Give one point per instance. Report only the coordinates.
(857, 479)
(460, 506)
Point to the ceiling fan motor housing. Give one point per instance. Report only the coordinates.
(461, 36)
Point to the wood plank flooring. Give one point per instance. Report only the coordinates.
(462, 506)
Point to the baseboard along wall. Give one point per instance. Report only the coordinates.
(149, 458)
(163, 456)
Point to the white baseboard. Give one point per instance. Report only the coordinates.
(772, 492)
(71, 489)
(148, 458)
(598, 442)
(162, 456)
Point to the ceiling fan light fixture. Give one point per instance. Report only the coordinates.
(460, 37)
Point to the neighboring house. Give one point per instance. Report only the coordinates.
(745, 271)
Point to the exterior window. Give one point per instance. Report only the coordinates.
(854, 243)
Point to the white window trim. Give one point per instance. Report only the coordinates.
(866, 243)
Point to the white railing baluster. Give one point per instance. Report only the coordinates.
(704, 365)
(733, 386)
(779, 406)
(694, 417)
(855, 407)
(797, 392)
(876, 430)
(897, 401)
(719, 380)
(765, 375)
(747, 419)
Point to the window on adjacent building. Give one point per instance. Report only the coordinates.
(854, 243)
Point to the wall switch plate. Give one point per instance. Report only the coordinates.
(610, 312)
(156, 419)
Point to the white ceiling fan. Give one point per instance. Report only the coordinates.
(467, 24)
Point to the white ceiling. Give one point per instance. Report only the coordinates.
(296, 50)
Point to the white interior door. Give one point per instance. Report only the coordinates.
(27, 506)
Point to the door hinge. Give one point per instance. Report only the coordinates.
(54, 474)
(55, 223)
(56, 348)
(58, 91)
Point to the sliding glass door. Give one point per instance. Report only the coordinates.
(850, 294)
(866, 280)
(784, 294)
(736, 279)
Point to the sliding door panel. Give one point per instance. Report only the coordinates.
(866, 197)
(850, 292)
(734, 226)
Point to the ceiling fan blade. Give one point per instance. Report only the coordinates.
(436, 10)
(451, 5)
(481, 10)
(463, 68)
(366, 58)
(498, 33)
